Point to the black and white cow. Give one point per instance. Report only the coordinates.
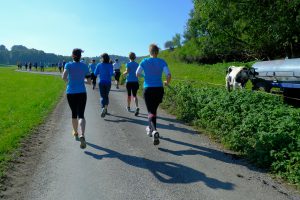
(237, 77)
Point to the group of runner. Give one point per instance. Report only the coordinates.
(152, 68)
(28, 66)
(61, 66)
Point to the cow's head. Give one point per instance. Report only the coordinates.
(252, 73)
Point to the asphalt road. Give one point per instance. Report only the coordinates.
(120, 161)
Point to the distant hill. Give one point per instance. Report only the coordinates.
(20, 53)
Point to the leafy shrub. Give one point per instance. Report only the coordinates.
(256, 124)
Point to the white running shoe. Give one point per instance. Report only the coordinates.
(148, 131)
(155, 135)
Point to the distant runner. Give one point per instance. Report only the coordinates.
(104, 71)
(132, 82)
(92, 67)
(74, 74)
(35, 66)
(63, 65)
(59, 67)
(153, 68)
(117, 72)
(42, 67)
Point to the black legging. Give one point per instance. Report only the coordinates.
(77, 104)
(94, 78)
(117, 74)
(153, 97)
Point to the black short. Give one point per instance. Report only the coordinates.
(153, 97)
(117, 74)
(77, 104)
(132, 87)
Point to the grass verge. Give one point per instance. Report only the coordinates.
(26, 99)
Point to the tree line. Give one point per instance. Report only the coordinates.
(240, 30)
(22, 54)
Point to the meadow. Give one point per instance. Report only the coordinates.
(200, 74)
(25, 101)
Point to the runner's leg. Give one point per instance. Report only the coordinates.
(81, 108)
(72, 103)
(128, 95)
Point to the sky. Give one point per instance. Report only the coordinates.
(96, 26)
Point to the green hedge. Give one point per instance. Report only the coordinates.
(258, 125)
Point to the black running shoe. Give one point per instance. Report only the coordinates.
(155, 135)
(137, 112)
(82, 142)
(103, 112)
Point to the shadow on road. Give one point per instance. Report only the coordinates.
(138, 120)
(166, 172)
(204, 151)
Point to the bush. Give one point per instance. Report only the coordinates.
(258, 125)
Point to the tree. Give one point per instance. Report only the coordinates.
(177, 40)
(169, 45)
(242, 29)
(22, 54)
(4, 55)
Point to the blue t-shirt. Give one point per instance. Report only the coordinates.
(92, 67)
(131, 68)
(153, 69)
(76, 75)
(104, 71)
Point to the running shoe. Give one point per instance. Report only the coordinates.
(128, 109)
(137, 112)
(148, 131)
(117, 87)
(103, 112)
(82, 142)
(155, 135)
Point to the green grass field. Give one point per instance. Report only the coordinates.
(209, 75)
(25, 101)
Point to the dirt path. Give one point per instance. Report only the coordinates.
(120, 161)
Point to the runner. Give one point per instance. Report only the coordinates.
(59, 67)
(35, 66)
(117, 72)
(63, 65)
(30, 65)
(42, 67)
(92, 67)
(104, 71)
(153, 68)
(26, 66)
(19, 66)
(132, 82)
(74, 74)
